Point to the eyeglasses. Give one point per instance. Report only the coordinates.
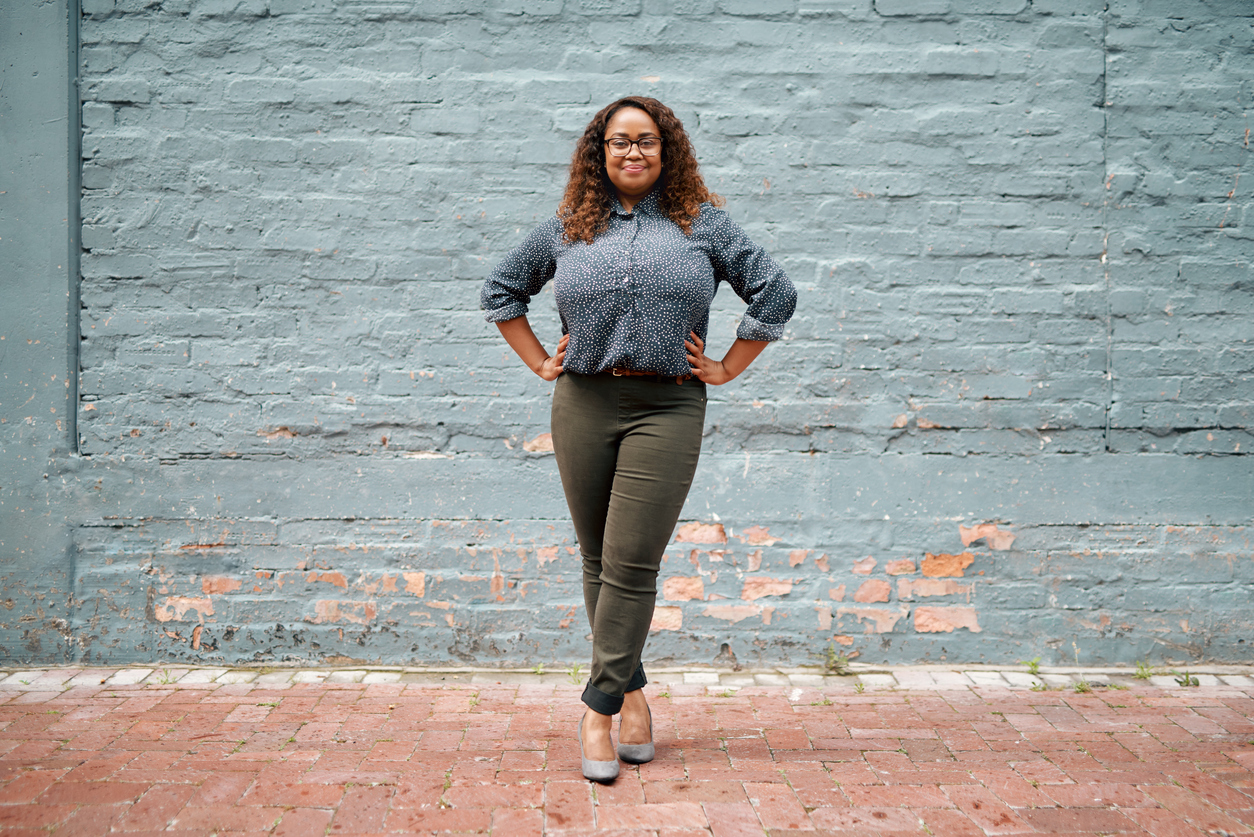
(649, 146)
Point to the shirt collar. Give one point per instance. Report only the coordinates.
(645, 206)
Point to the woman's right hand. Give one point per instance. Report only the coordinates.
(551, 367)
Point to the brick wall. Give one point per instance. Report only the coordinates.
(1009, 420)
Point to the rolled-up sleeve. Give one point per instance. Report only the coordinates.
(521, 274)
(755, 277)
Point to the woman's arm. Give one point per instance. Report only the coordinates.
(518, 334)
(739, 356)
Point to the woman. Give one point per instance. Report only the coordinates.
(635, 252)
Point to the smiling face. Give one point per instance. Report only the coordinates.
(634, 174)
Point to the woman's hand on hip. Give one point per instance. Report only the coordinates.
(705, 369)
(551, 367)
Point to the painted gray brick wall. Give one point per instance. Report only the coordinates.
(1010, 419)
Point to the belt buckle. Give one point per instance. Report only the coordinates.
(617, 372)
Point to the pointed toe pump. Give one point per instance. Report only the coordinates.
(636, 753)
(596, 771)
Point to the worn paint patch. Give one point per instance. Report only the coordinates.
(841, 639)
(545, 554)
(732, 613)
(330, 578)
(997, 539)
(416, 583)
(908, 588)
(931, 620)
(219, 584)
(755, 560)
(824, 613)
(902, 567)
(176, 607)
(797, 557)
(864, 566)
(701, 533)
(836, 594)
(877, 620)
(540, 444)
(873, 590)
(758, 536)
(756, 588)
(334, 610)
(822, 563)
(681, 588)
(667, 619)
(942, 564)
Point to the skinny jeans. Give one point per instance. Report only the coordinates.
(627, 450)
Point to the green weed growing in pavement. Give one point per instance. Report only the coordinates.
(727, 693)
(1185, 679)
(538, 669)
(1038, 686)
(835, 662)
(826, 701)
(1144, 671)
(664, 694)
(1119, 687)
(575, 673)
(474, 699)
(271, 704)
(166, 678)
(1083, 686)
(859, 687)
(1034, 666)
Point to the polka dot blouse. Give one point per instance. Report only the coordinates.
(630, 297)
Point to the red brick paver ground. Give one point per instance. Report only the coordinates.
(382, 758)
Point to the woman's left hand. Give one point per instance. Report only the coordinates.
(705, 369)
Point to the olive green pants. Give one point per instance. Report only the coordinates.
(627, 449)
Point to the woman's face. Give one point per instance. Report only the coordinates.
(633, 175)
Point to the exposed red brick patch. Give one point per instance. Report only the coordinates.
(540, 444)
(701, 533)
(873, 590)
(332, 610)
(797, 557)
(822, 563)
(942, 564)
(756, 588)
(755, 560)
(864, 566)
(997, 539)
(732, 613)
(901, 421)
(926, 424)
(416, 583)
(218, 584)
(837, 594)
(908, 588)
(545, 554)
(877, 620)
(824, 614)
(667, 619)
(932, 620)
(841, 639)
(175, 607)
(902, 567)
(681, 588)
(330, 578)
(758, 536)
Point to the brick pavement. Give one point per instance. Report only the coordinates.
(201, 752)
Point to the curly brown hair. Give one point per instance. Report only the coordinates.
(585, 208)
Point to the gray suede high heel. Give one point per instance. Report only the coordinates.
(636, 753)
(597, 771)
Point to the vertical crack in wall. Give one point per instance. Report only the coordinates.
(1110, 329)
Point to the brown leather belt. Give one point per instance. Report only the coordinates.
(620, 372)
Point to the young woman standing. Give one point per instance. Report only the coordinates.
(635, 252)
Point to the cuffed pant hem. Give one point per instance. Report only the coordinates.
(599, 701)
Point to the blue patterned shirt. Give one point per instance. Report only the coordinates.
(630, 297)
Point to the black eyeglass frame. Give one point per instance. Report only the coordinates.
(635, 142)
